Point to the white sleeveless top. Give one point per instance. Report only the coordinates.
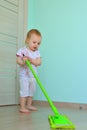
(24, 70)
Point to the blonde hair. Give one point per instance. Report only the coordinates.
(32, 31)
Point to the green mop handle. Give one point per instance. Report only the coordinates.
(42, 88)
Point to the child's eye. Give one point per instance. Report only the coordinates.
(34, 42)
(39, 43)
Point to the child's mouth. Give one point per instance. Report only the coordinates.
(35, 48)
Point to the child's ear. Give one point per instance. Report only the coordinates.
(27, 40)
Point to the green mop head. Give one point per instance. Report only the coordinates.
(60, 122)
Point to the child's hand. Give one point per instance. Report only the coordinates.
(30, 59)
(24, 58)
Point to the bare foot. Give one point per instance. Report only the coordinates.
(24, 110)
(32, 108)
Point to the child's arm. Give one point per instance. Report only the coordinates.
(36, 61)
(20, 61)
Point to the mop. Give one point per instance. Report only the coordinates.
(57, 120)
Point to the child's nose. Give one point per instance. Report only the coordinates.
(36, 44)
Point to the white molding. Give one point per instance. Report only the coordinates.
(22, 29)
(25, 18)
(22, 22)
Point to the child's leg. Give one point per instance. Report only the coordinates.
(32, 87)
(29, 104)
(24, 84)
(23, 108)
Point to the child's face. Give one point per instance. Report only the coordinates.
(34, 42)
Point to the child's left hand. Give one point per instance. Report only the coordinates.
(30, 59)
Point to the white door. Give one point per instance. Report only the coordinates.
(10, 16)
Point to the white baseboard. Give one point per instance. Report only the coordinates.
(61, 104)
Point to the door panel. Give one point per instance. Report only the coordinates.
(8, 45)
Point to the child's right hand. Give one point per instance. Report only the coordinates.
(24, 59)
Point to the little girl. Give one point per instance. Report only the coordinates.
(27, 81)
